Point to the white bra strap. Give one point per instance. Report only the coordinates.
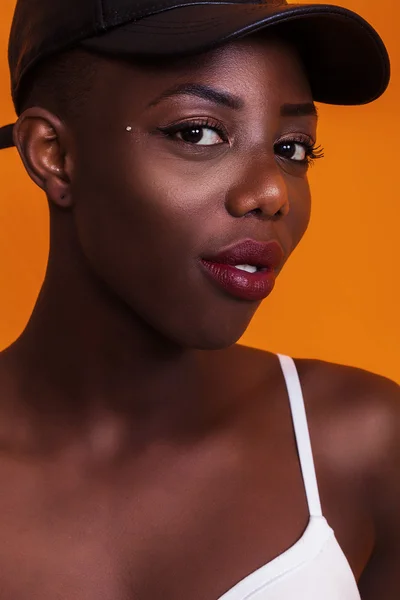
(302, 434)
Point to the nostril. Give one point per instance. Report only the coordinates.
(283, 211)
(254, 212)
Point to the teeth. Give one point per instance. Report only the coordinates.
(248, 268)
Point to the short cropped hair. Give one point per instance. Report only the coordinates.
(61, 84)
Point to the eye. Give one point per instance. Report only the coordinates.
(204, 132)
(293, 150)
(304, 152)
(200, 136)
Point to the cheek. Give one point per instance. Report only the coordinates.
(123, 196)
(138, 222)
(140, 197)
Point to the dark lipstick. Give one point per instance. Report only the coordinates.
(263, 257)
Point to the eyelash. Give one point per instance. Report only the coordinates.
(313, 152)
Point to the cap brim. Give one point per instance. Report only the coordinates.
(346, 60)
(6, 136)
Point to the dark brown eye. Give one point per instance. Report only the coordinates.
(292, 151)
(192, 136)
(200, 136)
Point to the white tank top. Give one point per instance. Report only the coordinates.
(315, 567)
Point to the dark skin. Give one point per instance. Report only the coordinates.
(139, 443)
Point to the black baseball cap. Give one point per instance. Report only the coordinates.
(345, 59)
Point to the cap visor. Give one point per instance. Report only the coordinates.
(346, 60)
(6, 136)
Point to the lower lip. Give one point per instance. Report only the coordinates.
(241, 284)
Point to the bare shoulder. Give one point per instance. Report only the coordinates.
(353, 414)
(352, 401)
(355, 405)
(349, 402)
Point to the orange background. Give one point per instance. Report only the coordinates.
(339, 297)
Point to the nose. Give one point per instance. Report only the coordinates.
(259, 187)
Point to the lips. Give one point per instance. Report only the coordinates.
(244, 285)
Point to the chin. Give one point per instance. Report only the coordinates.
(200, 325)
(216, 335)
(215, 344)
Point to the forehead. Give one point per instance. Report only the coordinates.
(257, 64)
(253, 66)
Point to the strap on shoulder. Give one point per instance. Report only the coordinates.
(302, 434)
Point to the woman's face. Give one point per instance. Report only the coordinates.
(178, 162)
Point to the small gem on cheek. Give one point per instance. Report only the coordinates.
(129, 128)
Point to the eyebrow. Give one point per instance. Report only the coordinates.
(230, 100)
(307, 109)
(201, 91)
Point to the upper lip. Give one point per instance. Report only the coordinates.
(267, 255)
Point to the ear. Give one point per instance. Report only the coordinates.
(42, 142)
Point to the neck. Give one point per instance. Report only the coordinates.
(85, 357)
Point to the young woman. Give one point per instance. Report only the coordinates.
(144, 455)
